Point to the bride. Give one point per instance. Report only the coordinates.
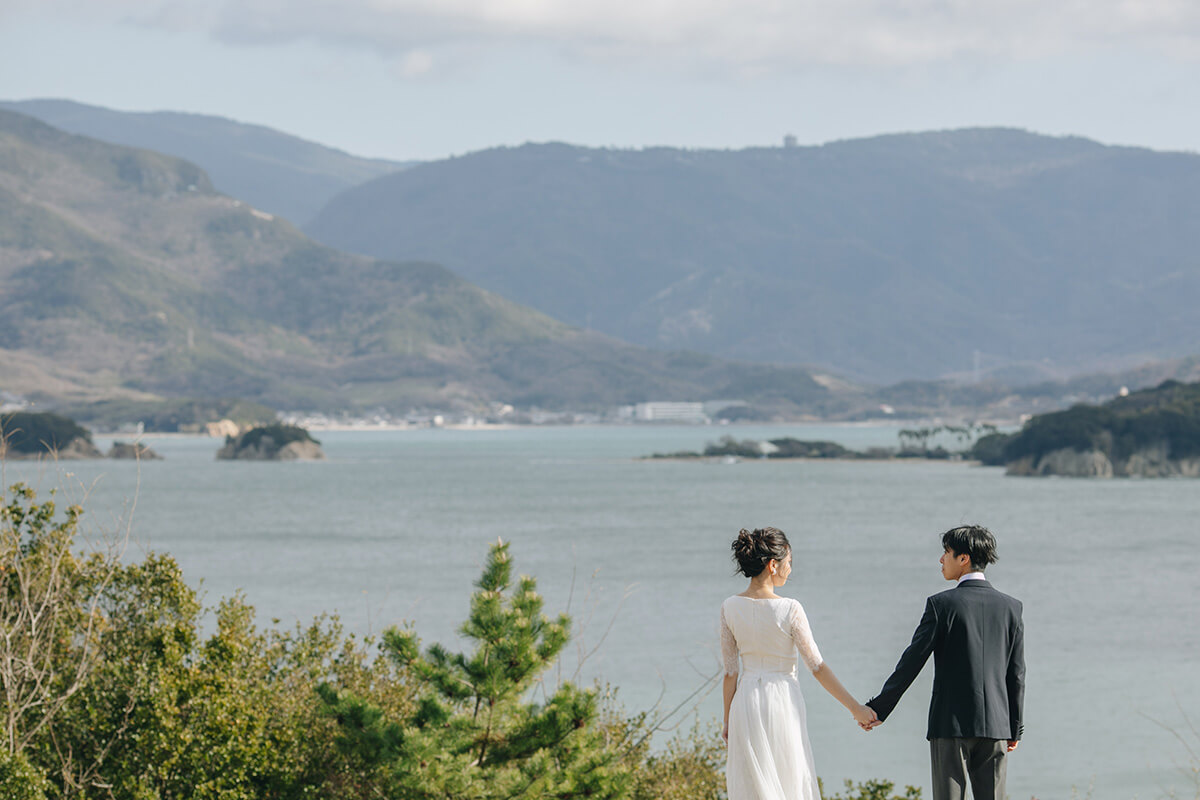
(769, 757)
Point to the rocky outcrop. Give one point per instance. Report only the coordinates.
(77, 449)
(132, 450)
(272, 443)
(1148, 462)
(292, 451)
(225, 427)
(1156, 462)
(34, 435)
(1066, 462)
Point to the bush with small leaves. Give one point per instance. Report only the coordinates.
(20, 780)
(473, 731)
(874, 790)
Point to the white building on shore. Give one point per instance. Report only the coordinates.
(692, 413)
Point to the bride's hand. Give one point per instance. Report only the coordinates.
(866, 717)
(725, 734)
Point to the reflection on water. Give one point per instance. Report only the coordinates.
(395, 526)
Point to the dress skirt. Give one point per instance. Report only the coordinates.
(769, 757)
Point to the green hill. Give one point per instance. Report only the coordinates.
(23, 433)
(273, 171)
(1152, 432)
(887, 258)
(124, 274)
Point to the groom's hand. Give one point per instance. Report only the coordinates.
(1012, 745)
(866, 718)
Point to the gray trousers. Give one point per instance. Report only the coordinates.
(980, 761)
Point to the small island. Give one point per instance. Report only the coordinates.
(1154, 433)
(730, 448)
(276, 442)
(914, 444)
(28, 435)
(135, 451)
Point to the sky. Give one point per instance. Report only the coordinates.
(426, 79)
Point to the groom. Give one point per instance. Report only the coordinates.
(977, 639)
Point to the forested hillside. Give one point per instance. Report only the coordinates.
(271, 170)
(896, 257)
(123, 273)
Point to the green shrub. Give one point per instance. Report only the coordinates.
(20, 780)
(873, 790)
(473, 731)
(690, 767)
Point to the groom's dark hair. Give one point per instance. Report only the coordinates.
(975, 541)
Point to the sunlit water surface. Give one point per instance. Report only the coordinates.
(394, 527)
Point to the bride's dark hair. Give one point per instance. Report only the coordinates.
(753, 549)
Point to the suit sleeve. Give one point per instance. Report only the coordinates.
(1015, 680)
(910, 663)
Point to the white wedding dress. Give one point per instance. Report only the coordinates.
(769, 757)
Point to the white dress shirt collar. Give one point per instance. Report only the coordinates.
(972, 576)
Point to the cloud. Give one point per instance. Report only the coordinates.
(743, 34)
(415, 63)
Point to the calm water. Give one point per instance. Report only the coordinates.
(395, 526)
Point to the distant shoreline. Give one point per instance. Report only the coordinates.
(507, 426)
(321, 429)
(730, 460)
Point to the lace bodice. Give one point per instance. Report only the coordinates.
(766, 634)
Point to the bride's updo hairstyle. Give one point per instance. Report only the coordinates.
(753, 549)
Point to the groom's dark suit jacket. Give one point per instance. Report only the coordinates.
(977, 639)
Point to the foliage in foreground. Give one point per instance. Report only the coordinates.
(472, 732)
(690, 766)
(873, 790)
(120, 696)
(124, 698)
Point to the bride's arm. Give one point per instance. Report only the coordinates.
(727, 690)
(803, 639)
(863, 715)
(729, 657)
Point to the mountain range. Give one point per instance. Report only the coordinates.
(272, 171)
(124, 273)
(970, 252)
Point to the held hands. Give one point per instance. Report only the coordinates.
(866, 717)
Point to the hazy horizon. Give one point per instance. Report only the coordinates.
(633, 147)
(403, 80)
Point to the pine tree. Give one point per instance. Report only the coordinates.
(476, 734)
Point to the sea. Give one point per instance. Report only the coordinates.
(394, 526)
